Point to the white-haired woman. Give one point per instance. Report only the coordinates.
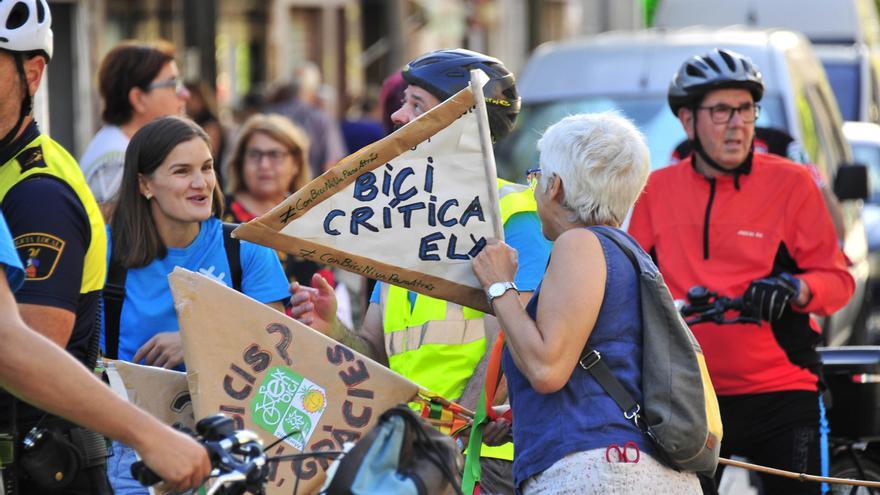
(570, 435)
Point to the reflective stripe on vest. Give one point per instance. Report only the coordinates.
(59, 164)
(445, 331)
(438, 344)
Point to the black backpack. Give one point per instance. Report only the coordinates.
(402, 455)
(114, 290)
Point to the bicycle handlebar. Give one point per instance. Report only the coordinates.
(237, 457)
(709, 306)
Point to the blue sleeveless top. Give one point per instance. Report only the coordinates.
(582, 416)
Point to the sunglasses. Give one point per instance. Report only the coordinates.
(175, 83)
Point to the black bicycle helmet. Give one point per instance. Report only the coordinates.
(701, 74)
(446, 72)
(717, 69)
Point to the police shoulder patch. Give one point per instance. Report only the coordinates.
(39, 253)
(31, 158)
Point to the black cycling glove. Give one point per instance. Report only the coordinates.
(768, 298)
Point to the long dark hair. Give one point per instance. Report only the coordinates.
(135, 239)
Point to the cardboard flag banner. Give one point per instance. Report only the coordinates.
(162, 393)
(411, 210)
(278, 377)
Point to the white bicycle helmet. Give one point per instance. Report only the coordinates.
(25, 26)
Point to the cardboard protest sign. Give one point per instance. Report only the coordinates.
(276, 376)
(412, 209)
(162, 393)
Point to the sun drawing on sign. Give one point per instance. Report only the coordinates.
(313, 400)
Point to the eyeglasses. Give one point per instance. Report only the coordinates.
(721, 113)
(255, 155)
(532, 178)
(175, 83)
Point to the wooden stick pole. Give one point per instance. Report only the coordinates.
(798, 476)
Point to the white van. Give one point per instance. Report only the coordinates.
(864, 138)
(838, 22)
(630, 72)
(846, 35)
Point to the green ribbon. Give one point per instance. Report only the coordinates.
(472, 470)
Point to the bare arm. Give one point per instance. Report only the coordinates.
(51, 379)
(477, 381)
(546, 350)
(316, 307)
(56, 324)
(369, 340)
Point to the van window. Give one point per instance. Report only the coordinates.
(846, 84)
(874, 103)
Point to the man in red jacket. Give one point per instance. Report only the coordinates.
(752, 224)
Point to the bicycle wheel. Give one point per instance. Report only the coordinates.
(845, 467)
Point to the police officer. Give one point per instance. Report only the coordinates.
(48, 376)
(59, 235)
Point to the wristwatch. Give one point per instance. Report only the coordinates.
(498, 289)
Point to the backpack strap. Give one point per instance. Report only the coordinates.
(114, 289)
(114, 296)
(233, 254)
(623, 247)
(591, 360)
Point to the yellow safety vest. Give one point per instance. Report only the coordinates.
(57, 162)
(438, 344)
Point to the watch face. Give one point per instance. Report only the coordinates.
(496, 289)
(499, 288)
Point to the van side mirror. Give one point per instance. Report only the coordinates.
(851, 182)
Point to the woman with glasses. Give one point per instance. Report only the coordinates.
(570, 435)
(168, 215)
(138, 83)
(269, 162)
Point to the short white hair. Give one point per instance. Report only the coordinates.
(603, 162)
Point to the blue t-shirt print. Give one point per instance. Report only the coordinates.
(149, 307)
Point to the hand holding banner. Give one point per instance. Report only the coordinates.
(277, 377)
(411, 210)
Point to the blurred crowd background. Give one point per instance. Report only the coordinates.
(239, 55)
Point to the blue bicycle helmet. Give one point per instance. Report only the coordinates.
(446, 72)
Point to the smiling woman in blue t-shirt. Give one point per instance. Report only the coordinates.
(167, 215)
